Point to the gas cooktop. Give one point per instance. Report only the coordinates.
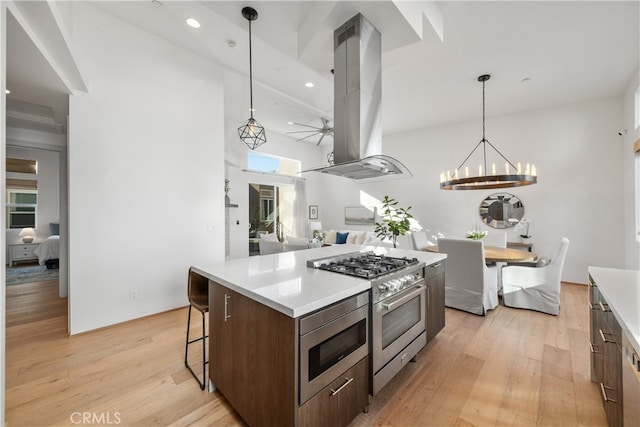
(366, 265)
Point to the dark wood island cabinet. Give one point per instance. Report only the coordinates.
(253, 357)
(253, 361)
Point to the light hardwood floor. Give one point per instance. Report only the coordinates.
(512, 367)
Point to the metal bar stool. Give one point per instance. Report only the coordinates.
(198, 294)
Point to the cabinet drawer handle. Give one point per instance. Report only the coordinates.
(602, 306)
(604, 339)
(593, 348)
(593, 307)
(436, 265)
(334, 392)
(603, 389)
(226, 307)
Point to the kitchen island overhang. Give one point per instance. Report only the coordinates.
(283, 281)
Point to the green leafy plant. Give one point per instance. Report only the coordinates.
(395, 221)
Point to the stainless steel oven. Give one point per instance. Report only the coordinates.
(332, 340)
(398, 322)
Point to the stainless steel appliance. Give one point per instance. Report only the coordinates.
(332, 340)
(398, 312)
(357, 138)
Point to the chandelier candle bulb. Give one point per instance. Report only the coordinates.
(455, 174)
(479, 170)
(466, 171)
(506, 168)
(527, 171)
(493, 169)
(533, 170)
(518, 170)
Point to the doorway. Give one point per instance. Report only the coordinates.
(270, 211)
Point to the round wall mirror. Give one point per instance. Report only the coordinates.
(501, 210)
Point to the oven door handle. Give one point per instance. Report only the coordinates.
(389, 306)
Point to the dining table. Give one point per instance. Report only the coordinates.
(498, 254)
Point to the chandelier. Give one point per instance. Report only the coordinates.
(513, 176)
(251, 133)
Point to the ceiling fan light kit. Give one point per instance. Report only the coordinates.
(251, 133)
(514, 175)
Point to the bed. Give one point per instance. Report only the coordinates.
(48, 252)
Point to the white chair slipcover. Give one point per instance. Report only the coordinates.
(420, 240)
(535, 288)
(470, 285)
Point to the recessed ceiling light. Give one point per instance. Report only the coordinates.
(309, 84)
(193, 23)
(156, 3)
(289, 123)
(526, 79)
(7, 91)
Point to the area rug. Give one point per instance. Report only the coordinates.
(36, 273)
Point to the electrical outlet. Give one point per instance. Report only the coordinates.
(133, 294)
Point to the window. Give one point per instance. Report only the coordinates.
(21, 208)
(272, 164)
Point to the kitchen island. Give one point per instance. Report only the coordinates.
(255, 304)
(614, 301)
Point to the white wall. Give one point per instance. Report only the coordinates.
(578, 155)
(632, 248)
(146, 171)
(48, 177)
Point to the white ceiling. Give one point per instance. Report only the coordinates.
(567, 52)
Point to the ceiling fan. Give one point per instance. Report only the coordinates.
(325, 130)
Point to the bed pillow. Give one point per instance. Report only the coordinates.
(341, 238)
(54, 229)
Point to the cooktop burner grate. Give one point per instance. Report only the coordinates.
(367, 266)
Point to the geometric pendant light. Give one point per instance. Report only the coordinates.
(251, 133)
(513, 175)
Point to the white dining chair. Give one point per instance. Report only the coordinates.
(470, 285)
(535, 287)
(420, 240)
(495, 238)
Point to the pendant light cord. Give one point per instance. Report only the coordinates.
(251, 73)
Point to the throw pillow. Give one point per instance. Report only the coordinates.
(361, 238)
(351, 239)
(341, 238)
(330, 237)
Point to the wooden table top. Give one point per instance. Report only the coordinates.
(497, 254)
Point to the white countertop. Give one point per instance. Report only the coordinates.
(284, 282)
(621, 290)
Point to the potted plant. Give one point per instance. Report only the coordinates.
(395, 221)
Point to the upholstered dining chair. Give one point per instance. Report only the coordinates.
(535, 287)
(495, 238)
(470, 285)
(420, 240)
(198, 295)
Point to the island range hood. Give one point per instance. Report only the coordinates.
(357, 138)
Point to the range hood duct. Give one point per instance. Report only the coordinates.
(357, 94)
